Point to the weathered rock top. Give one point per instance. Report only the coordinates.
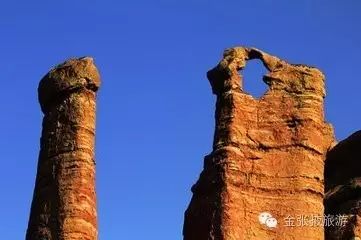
(294, 78)
(268, 153)
(72, 75)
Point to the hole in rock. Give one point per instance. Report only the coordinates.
(253, 78)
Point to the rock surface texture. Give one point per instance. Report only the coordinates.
(343, 188)
(64, 201)
(268, 154)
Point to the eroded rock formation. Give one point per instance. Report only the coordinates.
(64, 202)
(268, 154)
(343, 189)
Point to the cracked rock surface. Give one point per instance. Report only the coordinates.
(64, 201)
(268, 153)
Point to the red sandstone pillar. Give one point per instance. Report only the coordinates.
(268, 155)
(64, 202)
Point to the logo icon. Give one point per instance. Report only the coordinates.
(266, 218)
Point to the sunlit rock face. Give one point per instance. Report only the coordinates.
(64, 202)
(268, 155)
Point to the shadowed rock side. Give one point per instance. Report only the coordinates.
(268, 154)
(64, 202)
(343, 189)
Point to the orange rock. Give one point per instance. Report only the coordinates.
(268, 155)
(64, 202)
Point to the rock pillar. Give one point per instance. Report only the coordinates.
(64, 202)
(264, 177)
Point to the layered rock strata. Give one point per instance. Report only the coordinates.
(268, 155)
(64, 201)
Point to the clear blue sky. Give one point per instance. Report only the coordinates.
(155, 107)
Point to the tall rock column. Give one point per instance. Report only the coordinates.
(64, 202)
(268, 155)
